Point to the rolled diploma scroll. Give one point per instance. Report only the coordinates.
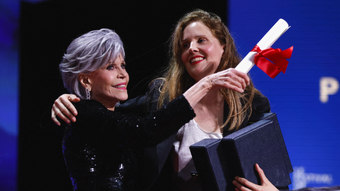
(267, 41)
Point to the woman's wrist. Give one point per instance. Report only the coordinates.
(200, 89)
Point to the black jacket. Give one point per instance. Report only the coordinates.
(157, 163)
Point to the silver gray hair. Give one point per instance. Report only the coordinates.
(86, 54)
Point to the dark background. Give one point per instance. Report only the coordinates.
(46, 30)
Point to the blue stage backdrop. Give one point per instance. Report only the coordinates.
(9, 16)
(307, 97)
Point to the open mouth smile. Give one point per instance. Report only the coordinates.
(196, 60)
(120, 86)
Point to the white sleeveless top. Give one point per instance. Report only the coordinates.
(187, 135)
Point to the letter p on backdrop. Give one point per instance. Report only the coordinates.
(328, 86)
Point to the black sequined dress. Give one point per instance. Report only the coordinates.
(103, 149)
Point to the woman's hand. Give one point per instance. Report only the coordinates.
(64, 109)
(230, 78)
(242, 184)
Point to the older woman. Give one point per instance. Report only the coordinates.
(103, 147)
(202, 48)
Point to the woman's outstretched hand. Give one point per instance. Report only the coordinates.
(229, 78)
(64, 109)
(242, 184)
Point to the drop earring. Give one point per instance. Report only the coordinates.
(88, 94)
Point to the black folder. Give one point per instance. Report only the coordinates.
(218, 161)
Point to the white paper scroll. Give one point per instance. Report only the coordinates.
(267, 41)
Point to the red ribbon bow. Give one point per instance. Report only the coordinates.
(272, 61)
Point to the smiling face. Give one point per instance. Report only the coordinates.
(108, 84)
(201, 50)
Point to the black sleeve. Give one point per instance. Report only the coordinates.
(158, 125)
(137, 104)
(128, 127)
(146, 103)
(260, 106)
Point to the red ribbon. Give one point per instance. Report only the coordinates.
(272, 61)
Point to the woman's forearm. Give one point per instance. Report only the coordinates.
(196, 92)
